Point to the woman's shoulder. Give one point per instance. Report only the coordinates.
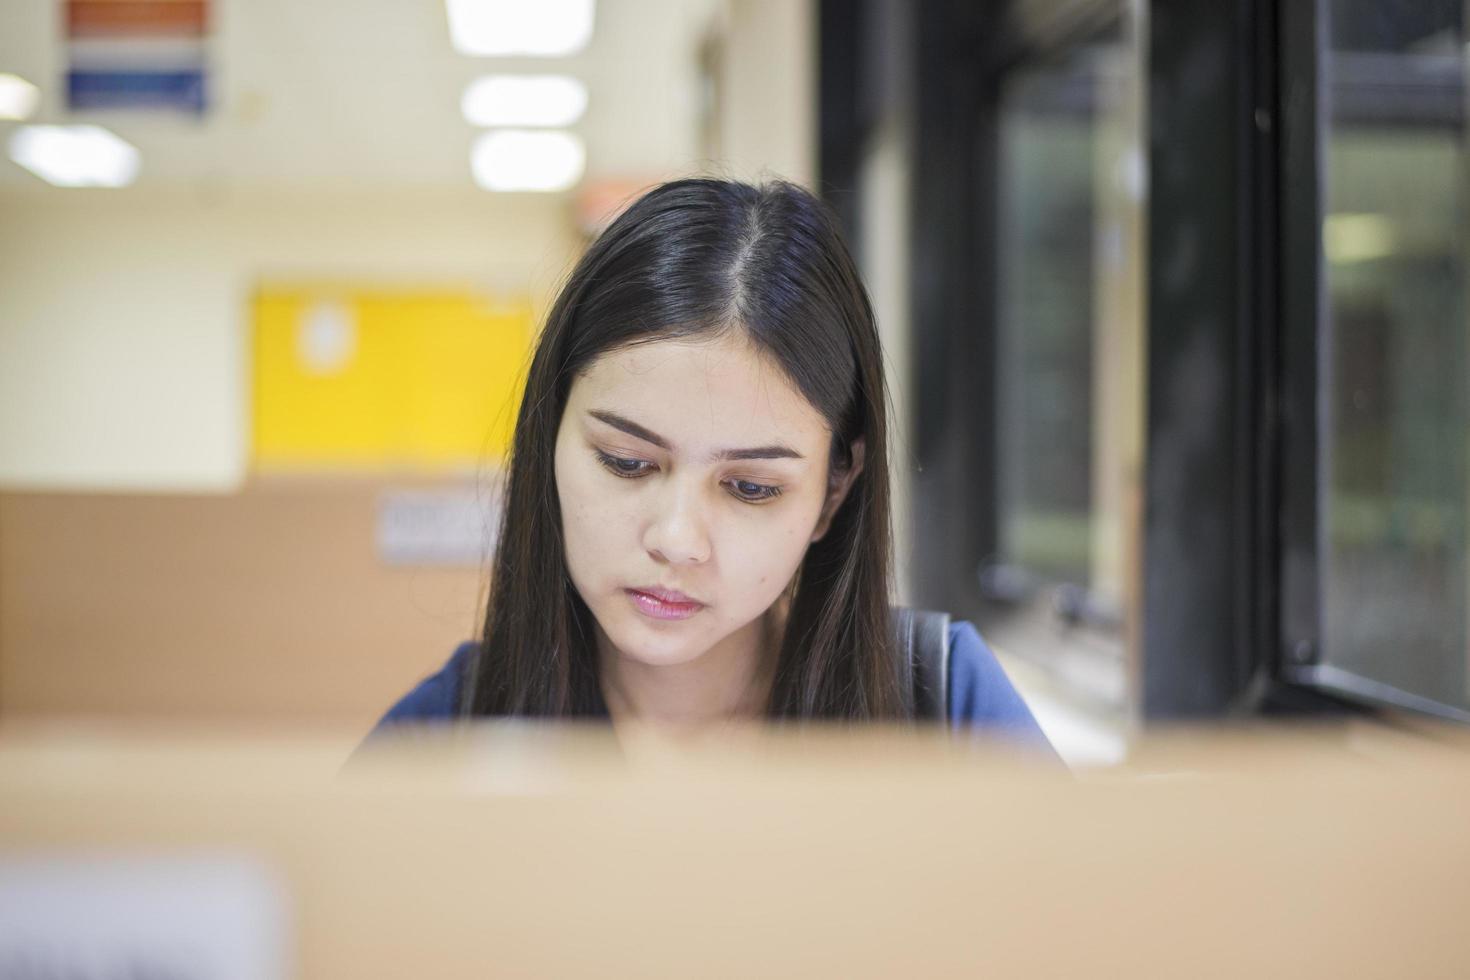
(436, 697)
(981, 695)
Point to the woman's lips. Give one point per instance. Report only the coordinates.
(661, 604)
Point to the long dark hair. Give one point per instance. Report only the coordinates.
(693, 257)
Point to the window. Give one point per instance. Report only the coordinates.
(1069, 355)
(1395, 356)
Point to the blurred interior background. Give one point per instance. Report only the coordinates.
(1173, 297)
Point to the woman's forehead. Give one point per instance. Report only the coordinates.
(699, 391)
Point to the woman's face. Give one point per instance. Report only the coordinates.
(693, 467)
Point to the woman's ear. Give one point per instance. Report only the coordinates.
(838, 483)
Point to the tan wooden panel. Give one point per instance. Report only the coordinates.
(266, 604)
(513, 853)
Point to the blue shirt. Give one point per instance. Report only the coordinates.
(981, 696)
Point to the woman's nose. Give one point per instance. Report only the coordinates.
(678, 531)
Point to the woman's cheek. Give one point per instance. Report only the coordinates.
(772, 558)
(580, 505)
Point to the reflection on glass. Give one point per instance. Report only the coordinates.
(1069, 358)
(1397, 371)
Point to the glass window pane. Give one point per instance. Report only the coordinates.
(1396, 366)
(1069, 358)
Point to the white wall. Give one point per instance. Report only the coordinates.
(124, 315)
(769, 124)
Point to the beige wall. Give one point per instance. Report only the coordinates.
(124, 316)
(769, 90)
(123, 333)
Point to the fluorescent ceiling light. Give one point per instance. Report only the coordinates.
(75, 156)
(527, 160)
(18, 97)
(545, 28)
(524, 100)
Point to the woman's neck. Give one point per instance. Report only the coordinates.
(729, 682)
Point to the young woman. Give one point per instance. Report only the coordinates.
(696, 523)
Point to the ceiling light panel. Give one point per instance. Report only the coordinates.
(527, 160)
(508, 28)
(18, 97)
(524, 100)
(75, 156)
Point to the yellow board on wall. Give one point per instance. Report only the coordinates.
(374, 379)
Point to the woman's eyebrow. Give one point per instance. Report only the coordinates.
(647, 435)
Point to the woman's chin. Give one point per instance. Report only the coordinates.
(655, 644)
(657, 654)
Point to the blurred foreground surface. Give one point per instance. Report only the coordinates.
(1339, 851)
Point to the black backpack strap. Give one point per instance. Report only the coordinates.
(923, 643)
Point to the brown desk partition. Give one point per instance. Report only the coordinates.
(270, 604)
(525, 852)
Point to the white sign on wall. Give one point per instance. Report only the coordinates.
(437, 527)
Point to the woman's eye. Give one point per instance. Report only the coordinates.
(746, 490)
(619, 466)
(753, 492)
